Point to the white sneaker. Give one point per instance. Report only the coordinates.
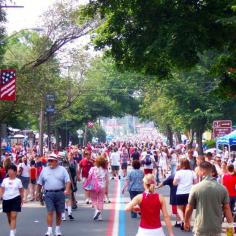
(96, 215)
(49, 234)
(87, 201)
(12, 233)
(63, 217)
(100, 217)
(58, 233)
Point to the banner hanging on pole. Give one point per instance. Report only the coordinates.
(8, 85)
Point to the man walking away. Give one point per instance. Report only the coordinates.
(211, 201)
(56, 182)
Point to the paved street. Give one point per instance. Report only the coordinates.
(116, 222)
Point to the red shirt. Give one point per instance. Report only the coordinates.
(2, 173)
(229, 181)
(33, 173)
(150, 211)
(85, 165)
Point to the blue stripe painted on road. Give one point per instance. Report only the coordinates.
(122, 215)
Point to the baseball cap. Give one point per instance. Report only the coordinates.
(61, 154)
(52, 156)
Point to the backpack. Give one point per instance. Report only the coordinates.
(148, 160)
(91, 184)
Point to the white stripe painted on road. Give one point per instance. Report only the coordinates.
(115, 231)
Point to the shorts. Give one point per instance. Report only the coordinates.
(25, 181)
(55, 201)
(150, 232)
(124, 166)
(33, 181)
(13, 204)
(182, 199)
(113, 168)
(148, 171)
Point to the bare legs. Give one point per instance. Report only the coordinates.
(11, 217)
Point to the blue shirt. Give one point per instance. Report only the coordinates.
(135, 178)
(54, 179)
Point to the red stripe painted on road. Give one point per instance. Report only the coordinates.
(112, 213)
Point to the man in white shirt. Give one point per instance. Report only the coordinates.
(115, 162)
(24, 176)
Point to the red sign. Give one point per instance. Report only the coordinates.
(90, 125)
(222, 124)
(220, 132)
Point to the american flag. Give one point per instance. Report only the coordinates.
(8, 85)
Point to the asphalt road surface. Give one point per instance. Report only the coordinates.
(32, 220)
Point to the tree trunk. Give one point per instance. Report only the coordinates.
(191, 138)
(41, 129)
(199, 134)
(62, 133)
(178, 137)
(57, 138)
(85, 141)
(169, 135)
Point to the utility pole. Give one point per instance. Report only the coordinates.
(41, 128)
(50, 109)
(49, 132)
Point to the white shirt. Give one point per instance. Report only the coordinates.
(26, 169)
(174, 159)
(11, 187)
(149, 167)
(185, 180)
(115, 158)
(102, 176)
(163, 157)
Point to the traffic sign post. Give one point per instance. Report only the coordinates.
(221, 128)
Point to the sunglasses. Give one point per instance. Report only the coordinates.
(51, 160)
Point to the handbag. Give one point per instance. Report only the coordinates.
(91, 184)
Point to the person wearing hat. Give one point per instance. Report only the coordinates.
(56, 183)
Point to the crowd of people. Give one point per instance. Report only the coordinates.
(206, 183)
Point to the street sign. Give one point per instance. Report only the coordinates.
(50, 97)
(80, 131)
(222, 124)
(221, 128)
(50, 103)
(220, 132)
(90, 125)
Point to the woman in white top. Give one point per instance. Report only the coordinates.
(12, 193)
(184, 180)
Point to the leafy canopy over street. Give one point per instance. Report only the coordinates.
(172, 62)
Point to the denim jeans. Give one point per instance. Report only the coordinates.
(173, 169)
(232, 203)
(132, 195)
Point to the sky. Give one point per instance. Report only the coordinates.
(27, 17)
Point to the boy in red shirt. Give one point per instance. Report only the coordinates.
(84, 167)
